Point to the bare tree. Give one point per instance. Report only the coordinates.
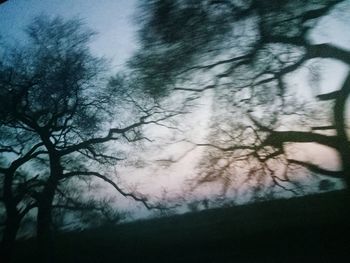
(246, 51)
(18, 151)
(54, 93)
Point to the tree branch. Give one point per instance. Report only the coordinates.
(328, 96)
(317, 169)
(142, 200)
(277, 138)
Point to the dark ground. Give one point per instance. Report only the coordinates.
(306, 229)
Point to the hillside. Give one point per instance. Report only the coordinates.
(304, 229)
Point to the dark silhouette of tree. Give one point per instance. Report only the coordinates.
(72, 209)
(236, 160)
(17, 185)
(245, 51)
(59, 119)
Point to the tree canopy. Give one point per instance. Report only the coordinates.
(58, 120)
(246, 52)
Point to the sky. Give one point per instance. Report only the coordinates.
(114, 20)
(115, 23)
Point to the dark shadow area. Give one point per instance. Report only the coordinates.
(305, 229)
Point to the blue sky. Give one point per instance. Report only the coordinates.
(113, 20)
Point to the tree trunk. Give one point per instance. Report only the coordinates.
(44, 219)
(44, 222)
(12, 224)
(339, 112)
(44, 231)
(13, 218)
